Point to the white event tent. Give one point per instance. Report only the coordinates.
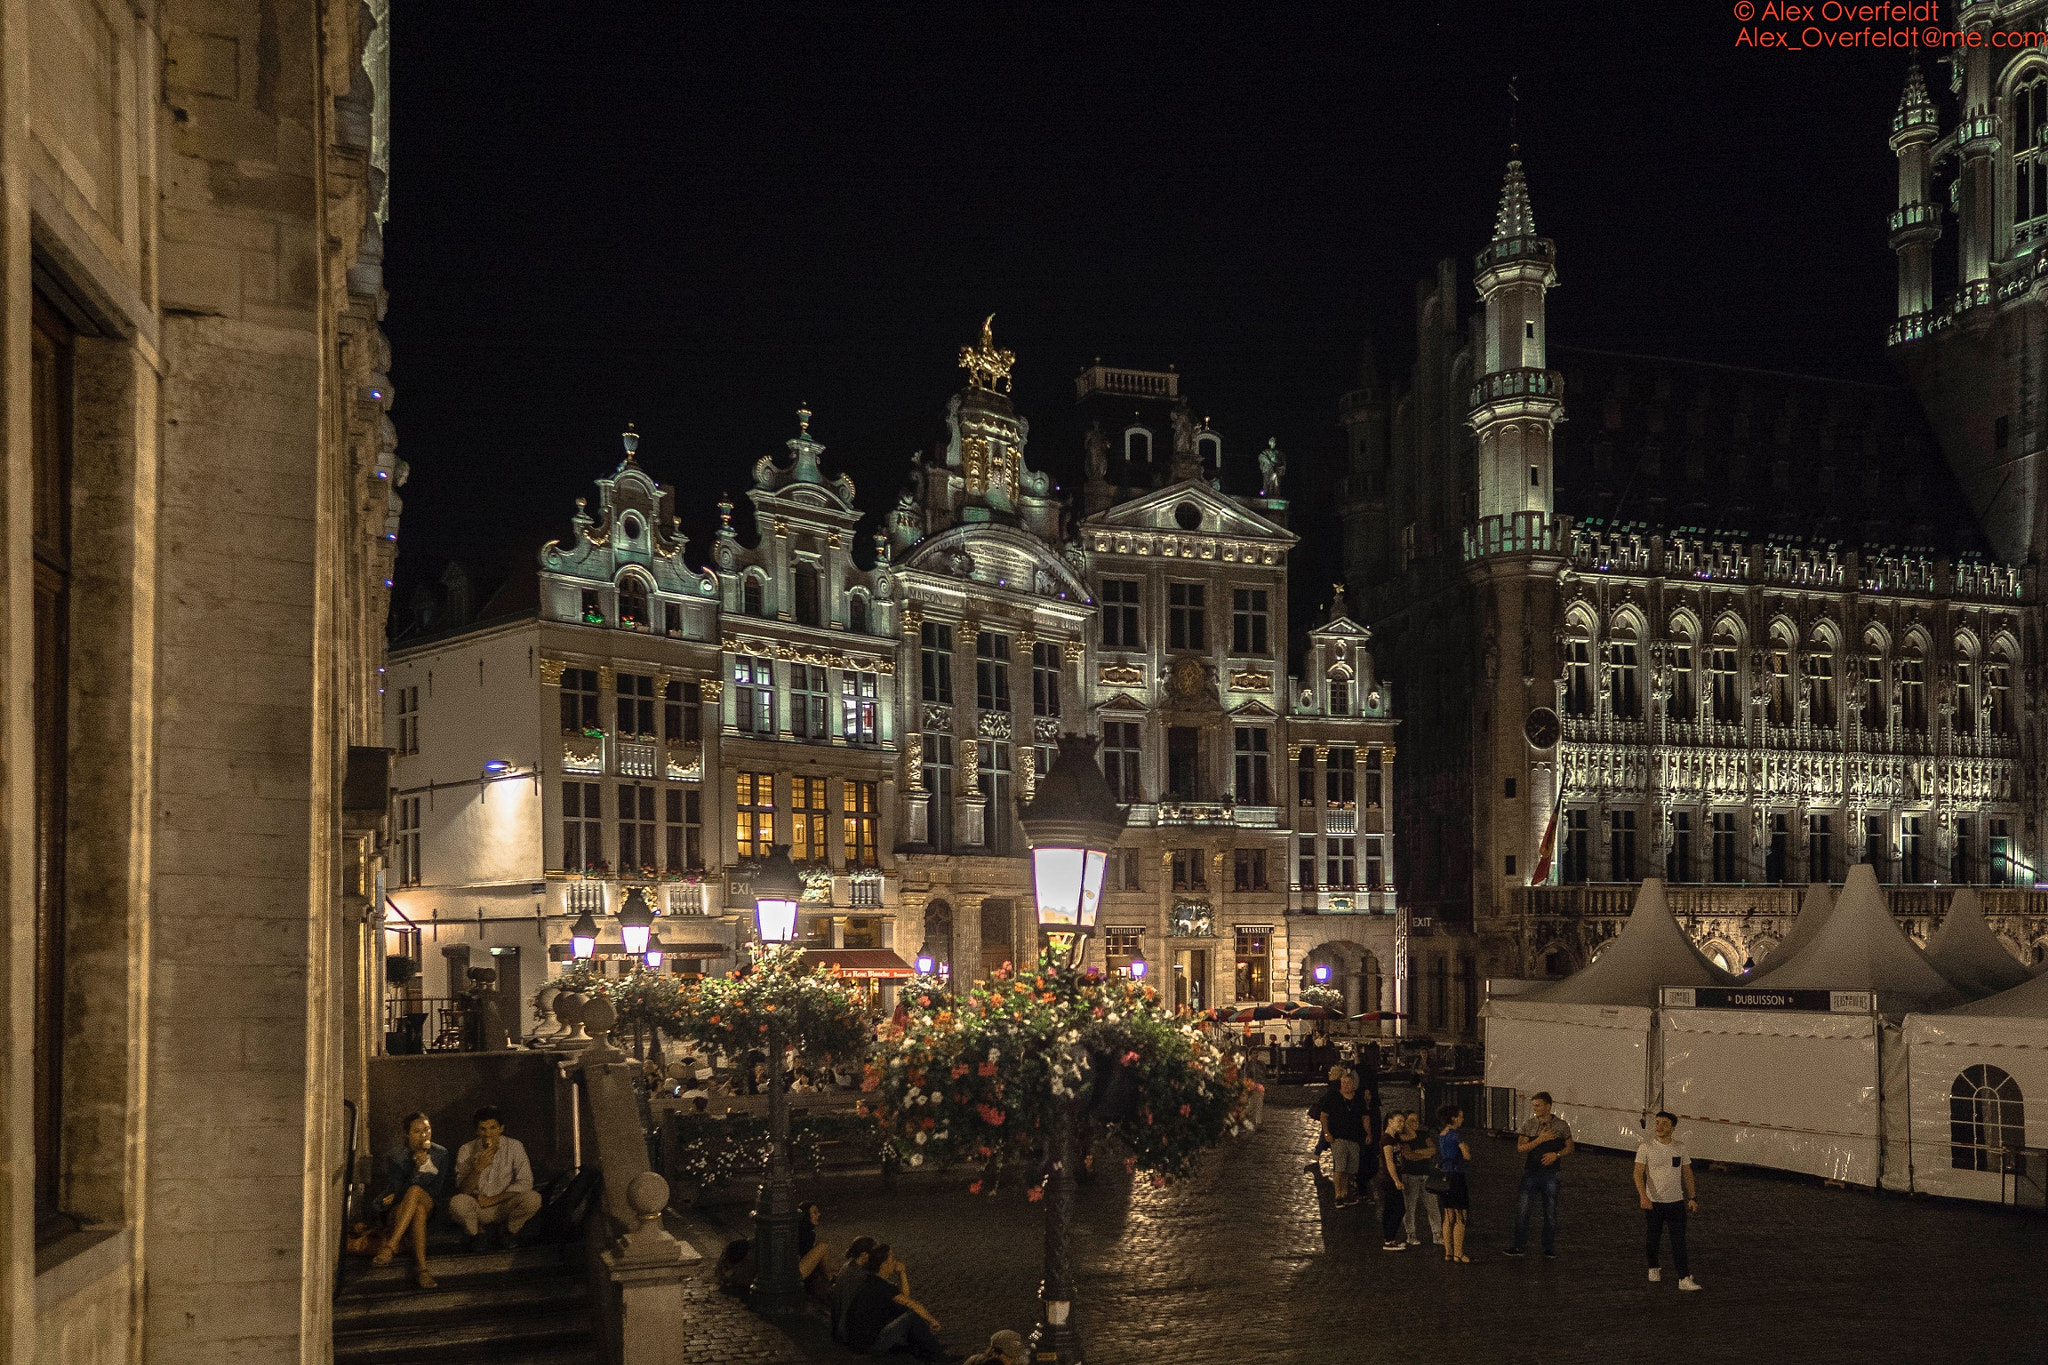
(1971, 1072)
(1791, 1070)
(1965, 950)
(1590, 1039)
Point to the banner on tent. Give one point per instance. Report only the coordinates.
(1754, 998)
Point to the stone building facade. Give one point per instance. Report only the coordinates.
(885, 717)
(195, 391)
(1733, 628)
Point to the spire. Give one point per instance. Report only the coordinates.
(1914, 97)
(1516, 218)
(1339, 608)
(805, 451)
(630, 439)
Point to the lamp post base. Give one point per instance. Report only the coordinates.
(777, 1288)
(1056, 1343)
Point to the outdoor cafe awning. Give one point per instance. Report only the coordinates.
(875, 962)
(615, 951)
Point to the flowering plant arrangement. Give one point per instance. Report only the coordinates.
(710, 1148)
(1329, 997)
(989, 1071)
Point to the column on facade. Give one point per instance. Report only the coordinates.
(973, 803)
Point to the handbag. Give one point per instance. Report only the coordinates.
(1438, 1183)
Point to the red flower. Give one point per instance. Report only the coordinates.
(1185, 1111)
(1035, 1193)
(990, 1115)
(975, 1188)
(985, 1069)
(930, 1124)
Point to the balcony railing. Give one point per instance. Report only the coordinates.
(1520, 532)
(1517, 384)
(1616, 900)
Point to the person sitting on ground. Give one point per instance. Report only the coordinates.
(895, 1272)
(881, 1318)
(852, 1271)
(416, 1179)
(1004, 1348)
(494, 1183)
(812, 1255)
(735, 1269)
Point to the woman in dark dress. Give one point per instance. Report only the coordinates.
(416, 1181)
(1452, 1155)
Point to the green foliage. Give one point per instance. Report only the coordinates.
(987, 1071)
(709, 1149)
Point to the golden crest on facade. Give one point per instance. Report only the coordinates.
(987, 366)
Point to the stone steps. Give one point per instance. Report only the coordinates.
(525, 1307)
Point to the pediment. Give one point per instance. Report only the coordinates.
(1343, 626)
(1122, 701)
(998, 556)
(1162, 511)
(1256, 709)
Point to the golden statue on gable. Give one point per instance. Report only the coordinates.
(985, 365)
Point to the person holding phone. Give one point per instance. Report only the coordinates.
(1545, 1141)
(1665, 1189)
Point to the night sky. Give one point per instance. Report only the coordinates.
(697, 217)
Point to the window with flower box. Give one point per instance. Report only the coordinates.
(579, 700)
(858, 810)
(754, 807)
(637, 849)
(582, 826)
(807, 819)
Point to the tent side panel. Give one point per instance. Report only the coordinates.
(1939, 1049)
(1598, 1073)
(1790, 1092)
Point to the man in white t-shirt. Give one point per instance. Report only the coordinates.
(1665, 1189)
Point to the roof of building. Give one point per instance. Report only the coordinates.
(1861, 947)
(1965, 950)
(1652, 950)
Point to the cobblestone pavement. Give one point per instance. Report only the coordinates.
(1248, 1261)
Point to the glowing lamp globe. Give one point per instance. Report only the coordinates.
(583, 936)
(1322, 972)
(1071, 823)
(1139, 966)
(777, 892)
(636, 922)
(925, 961)
(654, 954)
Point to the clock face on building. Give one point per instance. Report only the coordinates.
(1541, 728)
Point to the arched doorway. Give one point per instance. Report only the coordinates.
(1355, 970)
(938, 933)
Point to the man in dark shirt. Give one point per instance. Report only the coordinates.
(880, 1318)
(1347, 1120)
(1545, 1141)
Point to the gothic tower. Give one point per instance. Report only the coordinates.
(1514, 552)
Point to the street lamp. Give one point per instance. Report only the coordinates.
(1071, 823)
(1322, 973)
(583, 936)
(777, 892)
(636, 922)
(925, 961)
(1138, 965)
(654, 954)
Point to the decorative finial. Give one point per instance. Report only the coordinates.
(987, 366)
(630, 439)
(803, 421)
(725, 515)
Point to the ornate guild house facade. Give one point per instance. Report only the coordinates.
(884, 720)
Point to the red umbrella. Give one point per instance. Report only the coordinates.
(1292, 1010)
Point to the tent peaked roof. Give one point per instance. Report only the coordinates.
(1652, 950)
(1861, 947)
(1813, 913)
(2028, 1000)
(1966, 951)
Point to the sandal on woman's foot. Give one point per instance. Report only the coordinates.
(425, 1279)
(383, 1256)
(1466, 1259)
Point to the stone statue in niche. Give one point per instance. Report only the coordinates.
(1098, 453)
(1272, 468)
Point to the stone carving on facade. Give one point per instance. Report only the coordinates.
(1045, 728)
(913, 762)
(551, 672)
(993, 724)
(1191, 686)
(938, 719)
(1272, 468)
(1251, 680)
(1122, 675)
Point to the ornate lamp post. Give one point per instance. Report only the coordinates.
(583, 937)
(1322, 973)
(1071, 824)
(925, 962)
(655, 953)
(777, 892)
(636, 922)
(1139, 966)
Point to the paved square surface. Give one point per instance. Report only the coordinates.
(1249, 1262)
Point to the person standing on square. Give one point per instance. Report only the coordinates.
(1545, 1142)
(1665, 1189)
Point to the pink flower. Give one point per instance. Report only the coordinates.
(975, 1188)
(1035, 1193)
(1185, 1110)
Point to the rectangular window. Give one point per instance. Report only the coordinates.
(1340, 694)
(1045, 680)
(1184, 762)
(808, 585)
(2004, 867)
(1875, 712)
(1340, 778)
(1911, 868)
(1119, 946)
(408, 841)
(998, 785)
(637, 850)
(1125, 868)
(1962, 865)
(1305, 776)
(683, 829)
(1578, 678)
(1621, 846)
(1966, 696)
(1249, 865)
(1254, 766)
(1820, 848)
(935, 662)
(1122, 759)
(408, 720)
(1507, 788)
(1678, 860)
(579, 700)
(857, 707)
(1624, 693)
(807, 819)
(1510, 871)
(1998, 696)
(1305, 863)
(51, 401)
(1375, 780)
(1913, 697)
(682, 713)
(1340, 863)
(810, 700)
(1724, 677)
(861, 931)
(1680, 706)
(1375, 862)
(582, 827)
(857, 800)
(938, 784)
(1778, 857)
(1190, 870)
(1186, 616)
(671, 619)
(1877, 850)
(754, 813)
(636, 705)
(1254, 956)
(753, 705)
(1578, 847)
(1120, 614)
(1820, 690)
(1727, 854)
(1248, 621)
(1778, 703)
(992, 671)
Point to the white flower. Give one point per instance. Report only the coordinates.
(917, 1158)
(994, 1053)
(920, 1139)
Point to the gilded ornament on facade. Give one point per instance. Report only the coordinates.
(986, 366)
(1251, 681)
(551, 672)
(1122, 675)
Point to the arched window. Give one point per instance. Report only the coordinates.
(1578, 674)
(1876, 710)
(2030, 159)
(1966, 686)
(1681, 704)
(752, 599)
(1778, 708)
(1725, 677)
(1624, 685)
(1820, 686)
(1913, 690)
(807, 594)
(1998, 693)
(632, 601)
(1340, 693)
(1210, 448)
(857, 613)
(1986, 1117)
(1138, 445)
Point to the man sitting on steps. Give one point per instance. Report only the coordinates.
(493, 1182)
